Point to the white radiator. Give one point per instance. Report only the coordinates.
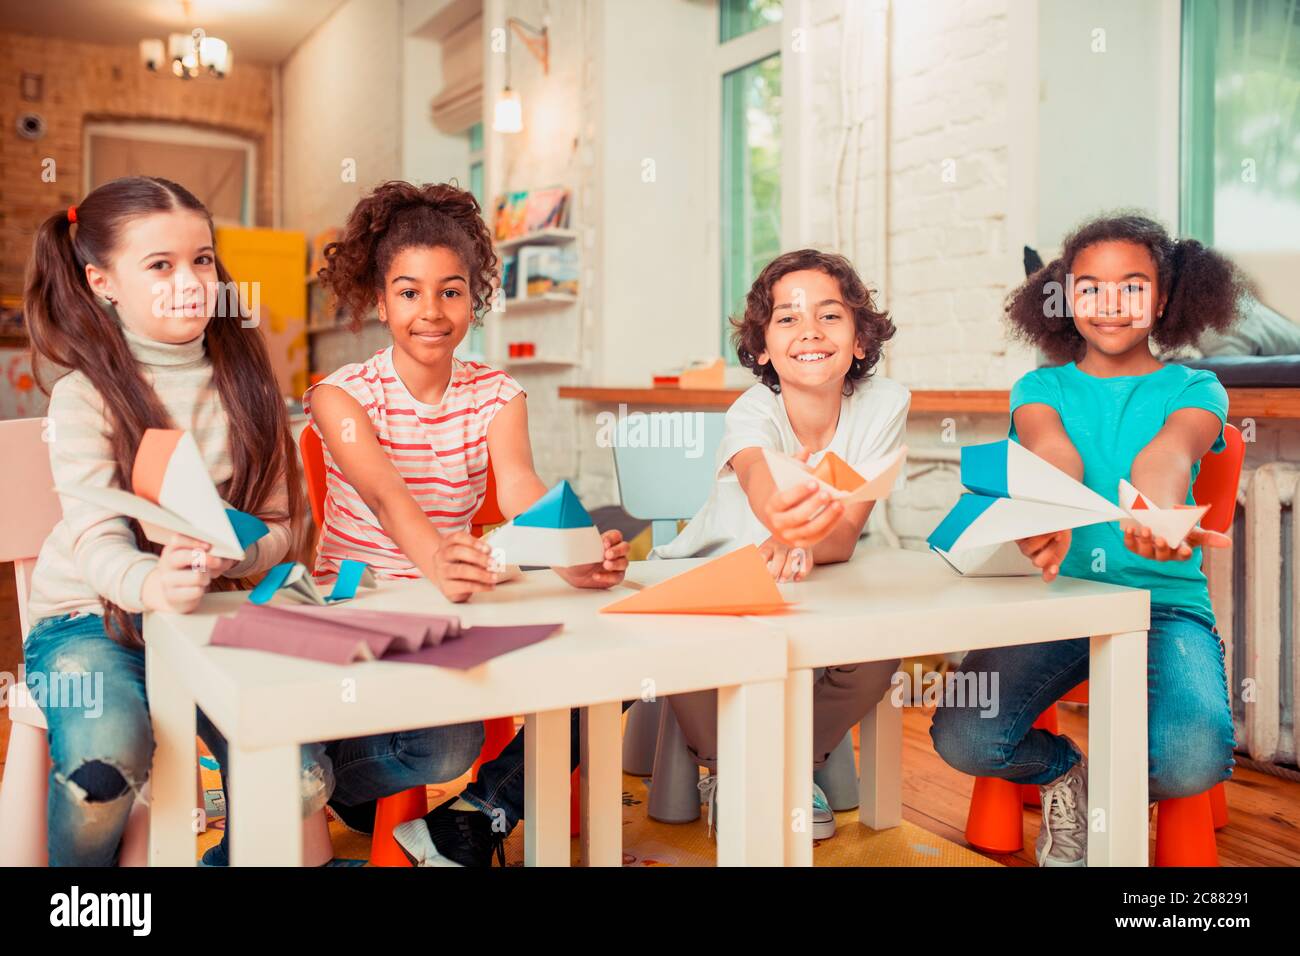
(1254, 587)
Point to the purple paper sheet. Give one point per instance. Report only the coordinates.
(477, 645)
(342, 635)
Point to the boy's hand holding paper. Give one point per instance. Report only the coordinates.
(809, 502)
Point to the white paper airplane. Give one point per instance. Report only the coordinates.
(1014, 494)
(173, 495)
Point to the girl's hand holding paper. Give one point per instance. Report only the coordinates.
(600, 574)
(463, 566)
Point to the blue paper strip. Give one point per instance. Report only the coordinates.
(963, 514)
(984, 469)
(248, 528)
(273, 581)
(345, 585)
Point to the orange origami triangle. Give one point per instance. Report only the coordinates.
(1140, 504)
(151, 461)
(836, 472)
(736, 583)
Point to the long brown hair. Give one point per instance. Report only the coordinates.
(68, 328)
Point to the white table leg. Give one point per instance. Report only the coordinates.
(798, 768)
(265, 806)
(750, 784)
(1117, 750)
(173, 818)
(880, 762)
(601, 775)
(546, 788)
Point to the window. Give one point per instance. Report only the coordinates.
(475, 345)
(1241, 122)
(476, 161)
(739, 17)
(751, 149)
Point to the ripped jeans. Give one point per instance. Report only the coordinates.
(92, 692)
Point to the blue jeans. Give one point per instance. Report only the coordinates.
(92, 693)
(1189, 717)
(499, 789)
(359, 769)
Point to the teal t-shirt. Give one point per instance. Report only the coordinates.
(1110, 420)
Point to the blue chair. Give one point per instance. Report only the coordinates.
(665, 465)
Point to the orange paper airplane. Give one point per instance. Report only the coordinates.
(736, 583)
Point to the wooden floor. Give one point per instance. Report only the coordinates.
(1264, 811)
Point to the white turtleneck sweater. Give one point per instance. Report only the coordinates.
(92, 552)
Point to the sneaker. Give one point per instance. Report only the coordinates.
(709, 794)
(358, 819)
(447, 837)
(1063, 838)
(823, 818)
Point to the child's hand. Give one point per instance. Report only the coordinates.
(180, 578)
(803, 515)
(463, 566)
(1142, 541)
(1046, 551)
(786, 563)
(600, 574)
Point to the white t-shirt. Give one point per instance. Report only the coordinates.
(872, 423)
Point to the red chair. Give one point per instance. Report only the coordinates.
(498, 731)
(1184, 825)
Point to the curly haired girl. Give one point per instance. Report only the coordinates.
(408, 435)
(1113, 411)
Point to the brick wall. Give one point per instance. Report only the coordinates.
(87, 81)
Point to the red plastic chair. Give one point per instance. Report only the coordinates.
(1184, 825)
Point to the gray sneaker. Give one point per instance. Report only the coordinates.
(1063, 838)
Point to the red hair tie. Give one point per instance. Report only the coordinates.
(72, 214)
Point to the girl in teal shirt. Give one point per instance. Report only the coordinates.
(1112, 410)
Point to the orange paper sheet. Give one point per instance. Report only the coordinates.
(736, 583)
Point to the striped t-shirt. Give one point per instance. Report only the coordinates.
(439, 450)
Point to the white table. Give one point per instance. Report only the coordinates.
(267, 705)
(889, 603)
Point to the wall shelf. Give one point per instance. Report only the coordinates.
(543, 237)
(539, 360)
(538, 303)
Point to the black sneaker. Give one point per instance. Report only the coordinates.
(447, 837)
(358, 819)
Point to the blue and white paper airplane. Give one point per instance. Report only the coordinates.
(1014, 494)
(555, 532)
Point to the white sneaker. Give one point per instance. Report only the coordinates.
(416, 843)
(1063, 838)
(708, 787)
(823, 818)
